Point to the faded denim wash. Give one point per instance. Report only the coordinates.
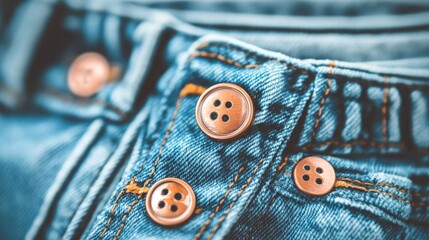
(348, 82)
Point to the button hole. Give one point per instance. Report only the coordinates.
(173, 208)
(319, 170)
(319, 181)
(177, 196)
(217, 103)
(213, 115)
(307, 167)
(161, 204)
(164, 191)
(225, 118)
(305, 177)
(228, 104)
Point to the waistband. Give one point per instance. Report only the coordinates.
(353, 104)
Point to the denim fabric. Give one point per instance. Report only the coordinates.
(347, 82)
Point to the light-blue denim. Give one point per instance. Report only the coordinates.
(344, 81)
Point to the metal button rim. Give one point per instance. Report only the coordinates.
(178, 220)
(242, 128)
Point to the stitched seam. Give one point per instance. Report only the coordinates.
(322, 102)
(283, 164)
(344, 184)
(112, 211)
(219, 205)
(188, 89)
(223, 59)
(183, 93)
(243, 187)
(382, 184)
(120, 194)
(161, 150)
(124, 218)
(248, 54)
(229, 61)
(384, 108)
(266, 59)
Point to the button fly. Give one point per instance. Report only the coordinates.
(87, 74)
(314, 176)
(224, 111)
(170, 202)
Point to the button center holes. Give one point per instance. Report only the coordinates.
(161, 204)
(307, 167)
(225, 118)
(217, 103)
(173, 208)
(164, 191)
(319, 181)
(228, 104)
(177, 196)
(213, 115)
(319, 170)
(306, 177)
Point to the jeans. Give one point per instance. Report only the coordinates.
(347, 82)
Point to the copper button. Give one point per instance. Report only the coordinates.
(224, 111)
(314, 176)
(170, 202)
(87, 74)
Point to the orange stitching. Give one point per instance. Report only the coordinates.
(112, 211)
(219, 205)
(191, 89)
(227, 47)
(343, 182)
(133, 188)
(124, 218)
(206, 44)
(184, 92)
(348, 185)
(188, 89)
(237, 64)
(322, 101)
(198, 211)
(331, 65)
(203, 45)
(382, 184)
(223, 59)
(384, 107)
(243, 187)
(283, 164)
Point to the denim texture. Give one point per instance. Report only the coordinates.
(348, 83)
